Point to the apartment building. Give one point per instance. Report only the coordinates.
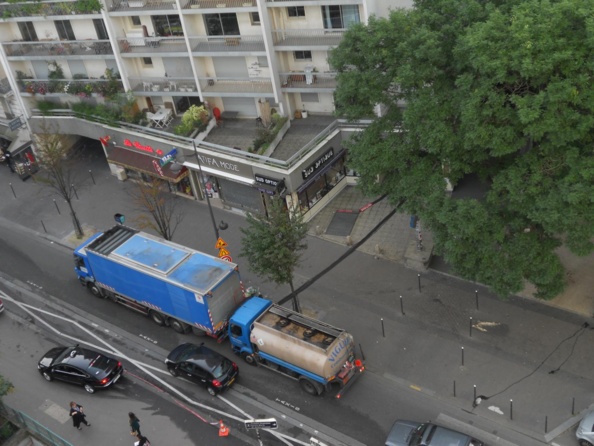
(237, 56)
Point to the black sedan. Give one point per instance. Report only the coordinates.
(202, 366)
(80, 366)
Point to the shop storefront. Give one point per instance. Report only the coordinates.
(17, 153)
(320, 177)
(144, 163)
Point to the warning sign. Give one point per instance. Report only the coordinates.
(227, 258)
(220, 243)
(223, 252)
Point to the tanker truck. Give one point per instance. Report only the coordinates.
(319, 356)
(172, 284)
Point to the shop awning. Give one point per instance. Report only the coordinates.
(321, 172)
(143, 163)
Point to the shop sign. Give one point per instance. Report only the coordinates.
(168, 158)
(15, 123)
(137, 145)
(265, 180)
(158, 167)
(225, 166)
(315, 166)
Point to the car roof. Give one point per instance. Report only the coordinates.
(82, 358)
(587, 422)
(199, 355)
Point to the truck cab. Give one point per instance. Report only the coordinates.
(240, 323)
(82, 268)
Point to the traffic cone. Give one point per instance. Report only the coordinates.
(223, 430)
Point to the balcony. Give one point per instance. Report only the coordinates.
(299, 81)
(285, 3)
(45, 9)
(59, 49)
(153, 46)
(229, 87)
(163, 86)
(299, 39)
(78, 87)
(207, 45)
(164, 5)
(218, 4)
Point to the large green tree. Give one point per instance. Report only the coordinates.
(500, 89)
(273, 243)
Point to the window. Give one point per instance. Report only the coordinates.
(135, 20)
(310, 97)
(100, 29)
(147, 61)
(255, 17)
(167, 25)
(340, 17)
(302, 55)
(64, 29)
(222, 24)
(263, 61)
(296, 11)
(28, 31)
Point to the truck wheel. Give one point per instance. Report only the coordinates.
(157, 318)
(248, 358)
(311, 387)
(94, 289)
(178, 326)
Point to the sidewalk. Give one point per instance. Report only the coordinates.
(505, 350)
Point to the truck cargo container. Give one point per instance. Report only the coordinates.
(174, 285)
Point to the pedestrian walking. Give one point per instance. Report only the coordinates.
(141, 441)
(78, 415)
(8, 160)
(134, 423)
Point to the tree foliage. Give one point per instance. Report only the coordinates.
(500, 89)
(56, 159)
(273, 244)
(160, 208)
(5, 386)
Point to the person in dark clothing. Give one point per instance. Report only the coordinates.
(134, 423)
(141, 441)
(78, 415)
(8, 160)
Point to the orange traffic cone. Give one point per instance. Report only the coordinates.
(223, 430)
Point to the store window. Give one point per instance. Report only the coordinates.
(317, 187)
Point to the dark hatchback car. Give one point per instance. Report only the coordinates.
(202, 366)
(412, 433)
(81, 366)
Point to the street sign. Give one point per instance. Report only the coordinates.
(223, 252)
(168, 158)
(15, 124)
(264, 423)
(220, 243)
(227, 258)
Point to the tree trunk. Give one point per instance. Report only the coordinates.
(76, 223)
(296, 306)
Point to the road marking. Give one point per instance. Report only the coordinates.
(496, 410)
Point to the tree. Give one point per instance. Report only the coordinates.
(163, 214)
(273, 244)
(5, 386)
(501, 90)
(57, 169)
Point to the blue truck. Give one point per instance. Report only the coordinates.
(172, 284)
(320, 357)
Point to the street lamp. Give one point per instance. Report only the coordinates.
(214, 225)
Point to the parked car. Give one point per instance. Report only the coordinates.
(202, 366)
(585, 430)
(409, 433)
(80, 366)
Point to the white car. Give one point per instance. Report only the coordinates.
(585, 431)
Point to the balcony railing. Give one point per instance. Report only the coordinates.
(301, 38)
(156, 5)
(162, 46)
(175, 86)
(223, 85)
(42, 8)
(226, 44)
(303, 81)
(57, 48)
(79, 87)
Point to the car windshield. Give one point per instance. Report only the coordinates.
(416, 435)
(221, 369)
(99, 364)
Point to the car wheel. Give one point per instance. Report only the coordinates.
(311, 387)
(157, 318)
(585, 443)
(248, 358)
(89, 388)
(173, 371)
(211, 391)
(94, 289)
(178, 326)
(47, 376)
